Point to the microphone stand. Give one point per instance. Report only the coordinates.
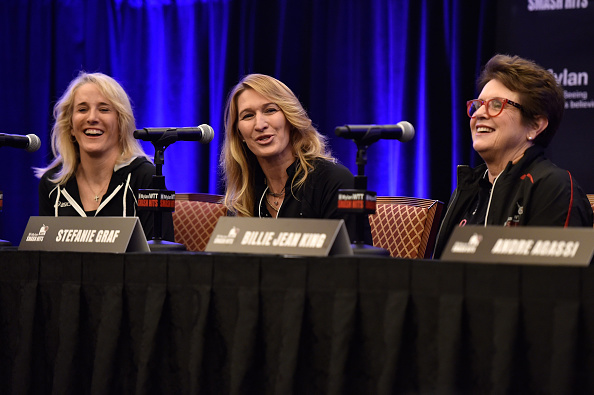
(158, 183)
(359, 247)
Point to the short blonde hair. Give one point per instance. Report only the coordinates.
(65, 150)
(239, 164)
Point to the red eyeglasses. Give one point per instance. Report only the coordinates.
(494, 106)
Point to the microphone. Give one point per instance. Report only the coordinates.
(403, 131)
(203, 133)
(30, 142)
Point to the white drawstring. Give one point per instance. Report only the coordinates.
(491, 197)
(260, 205)
(125, 192)
(73, 203)
(105, 201)
(57, 204)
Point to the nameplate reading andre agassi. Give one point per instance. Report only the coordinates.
(92, 234)
(521, 245)
(281, 236)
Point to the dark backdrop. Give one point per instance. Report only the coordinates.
(375, 61)
(559, 36)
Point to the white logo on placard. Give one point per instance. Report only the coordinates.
(229, 238)
(470, 247)
(38, 237)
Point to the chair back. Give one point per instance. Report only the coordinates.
(195, 217)
(591, 199)
(406, 226)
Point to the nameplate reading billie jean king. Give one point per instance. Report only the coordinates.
(280, 236)
(521, 245)
(91, 234)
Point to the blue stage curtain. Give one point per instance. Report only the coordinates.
(349, 62)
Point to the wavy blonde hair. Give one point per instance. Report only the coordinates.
(239, 164)
(66, 152)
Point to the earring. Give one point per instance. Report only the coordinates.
(72, 138)
(530, 138)
(239, 134)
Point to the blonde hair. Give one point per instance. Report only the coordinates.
(239, 164)
(66, 151)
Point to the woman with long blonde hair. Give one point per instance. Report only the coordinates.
(275, 162)
(98, 165)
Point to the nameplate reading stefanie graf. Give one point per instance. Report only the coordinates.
(84, 234)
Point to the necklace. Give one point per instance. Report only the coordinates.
(276, 196)
(96, 198)
(274, 208)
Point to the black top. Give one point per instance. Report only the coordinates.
(120, 199)
(317, 198)
(476, 212)
(532, 192)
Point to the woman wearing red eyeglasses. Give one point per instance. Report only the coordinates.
(515, 117)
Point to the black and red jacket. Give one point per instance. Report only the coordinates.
(533, 192)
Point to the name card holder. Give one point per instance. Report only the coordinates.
(80, 234)
(521, 245)
(280, 236)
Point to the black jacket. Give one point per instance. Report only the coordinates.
(317, 198)
(533, 192)
(119, 199)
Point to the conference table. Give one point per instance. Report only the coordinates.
(199, 323)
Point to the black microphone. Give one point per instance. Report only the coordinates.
(203, 133)
(30, 142)
(402, 131)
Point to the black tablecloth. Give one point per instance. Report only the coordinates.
(185, 323)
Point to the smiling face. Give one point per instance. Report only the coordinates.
(503, 138)
(264, 128)
(95, 123)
